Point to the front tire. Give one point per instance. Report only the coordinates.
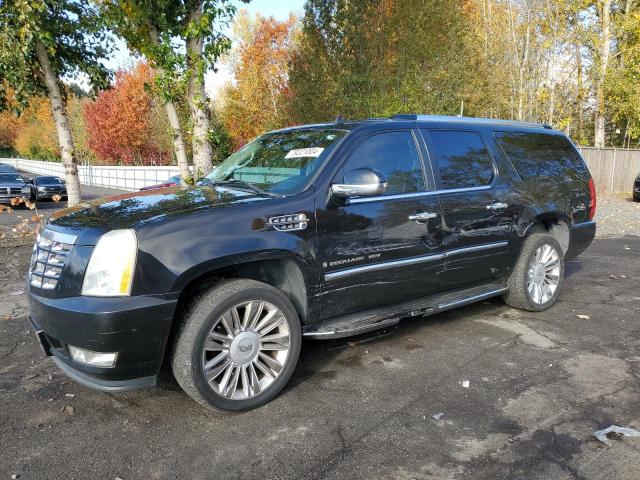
(238, 346)
(534, 284)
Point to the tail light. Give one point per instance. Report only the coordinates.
(592, 199)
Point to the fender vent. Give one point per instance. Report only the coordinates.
(297, 221)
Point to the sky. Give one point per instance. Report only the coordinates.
(279, 9)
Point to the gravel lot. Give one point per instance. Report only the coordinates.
(617, 215)
(389, 405)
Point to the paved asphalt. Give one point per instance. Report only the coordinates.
(381, 406)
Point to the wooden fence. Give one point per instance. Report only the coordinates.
(612, 169)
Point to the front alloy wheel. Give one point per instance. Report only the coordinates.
(246, 350)
(239, 345)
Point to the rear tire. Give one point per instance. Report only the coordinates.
(536, 280)
(238, 346)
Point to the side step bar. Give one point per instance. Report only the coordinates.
(361, 322)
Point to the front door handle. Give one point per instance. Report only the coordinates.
(497, 206)
(422, 216)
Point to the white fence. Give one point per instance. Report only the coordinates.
(123, 178)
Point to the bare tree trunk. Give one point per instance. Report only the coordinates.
(62, 126)
(605, 45)
(196, 97)
(178, 140)
(580, 93)
(521, 71)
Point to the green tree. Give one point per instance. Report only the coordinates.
(182, 39)
(368, 58)
(623, 82)
(42, 42)
(146, 26)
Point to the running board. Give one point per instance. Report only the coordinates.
(377, 318)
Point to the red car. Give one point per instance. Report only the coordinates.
(171, 182)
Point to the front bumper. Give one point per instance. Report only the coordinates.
(137, 328)
(8, 198)
(51, 194)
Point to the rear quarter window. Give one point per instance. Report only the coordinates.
(539, 156)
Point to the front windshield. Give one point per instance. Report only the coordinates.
(49, 180)
(11, 178)
(279, 162)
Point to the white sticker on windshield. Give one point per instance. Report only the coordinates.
(304, 152)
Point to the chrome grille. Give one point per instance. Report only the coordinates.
(48, 258)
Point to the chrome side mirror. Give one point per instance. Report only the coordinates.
(359, 183)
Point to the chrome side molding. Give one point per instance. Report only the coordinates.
(410, 261)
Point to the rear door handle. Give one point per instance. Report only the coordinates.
(422, 216)
(497, 206)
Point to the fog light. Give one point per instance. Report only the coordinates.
(96, 359)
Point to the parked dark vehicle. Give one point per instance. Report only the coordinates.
(13, 186)
(322, 231)
(5, 168)
(170, 182)
(636, 189)
(46, 187)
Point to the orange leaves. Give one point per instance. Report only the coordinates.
(119, 121)
(259, 100)
(36, 135)
(19, 201)
(22, 226)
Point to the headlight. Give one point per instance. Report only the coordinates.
(26, 190)
(110, 269)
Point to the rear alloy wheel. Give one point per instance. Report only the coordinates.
(543, 276)
(238, 347)
(537, 277)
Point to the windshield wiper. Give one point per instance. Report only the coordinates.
(248, 185)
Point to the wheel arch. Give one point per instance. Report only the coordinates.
(553, 223)
(281, 269)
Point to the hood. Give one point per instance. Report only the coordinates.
(91, 219)
(12, 184)
(59, 185)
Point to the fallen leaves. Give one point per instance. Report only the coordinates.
(68, 410)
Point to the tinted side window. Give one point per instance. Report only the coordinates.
(394, 154)
(539, 156)
(461, 158)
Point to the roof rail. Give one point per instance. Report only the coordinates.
(468, 120)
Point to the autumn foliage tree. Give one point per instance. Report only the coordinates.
(259, 98)
(36, 133)
(120, 122)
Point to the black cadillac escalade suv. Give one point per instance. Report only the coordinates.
(320, 230)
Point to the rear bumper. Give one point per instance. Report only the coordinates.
(580, 237)
(137, 328)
